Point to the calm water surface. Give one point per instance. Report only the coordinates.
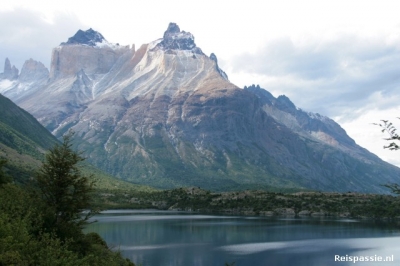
(157, 238)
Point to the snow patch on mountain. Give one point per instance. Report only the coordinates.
(318, 116)
(6, 84)
(91, 38)
(113, 46)
(99, 45)
(153, 44)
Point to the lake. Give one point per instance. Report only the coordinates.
(165, 238)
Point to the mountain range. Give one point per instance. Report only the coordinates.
(167, 115)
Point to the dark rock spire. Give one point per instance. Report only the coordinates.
(175, 39)
(89, 37)
(10, 72)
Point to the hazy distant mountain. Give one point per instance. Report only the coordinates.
(167, 115)
(9, 72)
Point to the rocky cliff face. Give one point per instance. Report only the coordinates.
(167, 115)
(87, 51)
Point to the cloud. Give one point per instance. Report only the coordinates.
(341, 74)
(28, 34)
(281, 57)
(370, 136)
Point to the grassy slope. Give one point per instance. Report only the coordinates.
(21, 131)
(23, 140)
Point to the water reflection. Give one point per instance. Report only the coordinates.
(155, 238)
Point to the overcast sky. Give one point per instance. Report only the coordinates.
(337, 58)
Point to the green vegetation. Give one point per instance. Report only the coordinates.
(389, 128)
(64, 190)
(248, 202)
(4, 178)
(23, 141)
(41, 223)
(21, 132)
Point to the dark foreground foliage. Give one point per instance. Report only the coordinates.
(41, 223)
(64, 190)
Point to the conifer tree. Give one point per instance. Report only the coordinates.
(64, 190)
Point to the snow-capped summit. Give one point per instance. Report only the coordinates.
(175, 39)
(89, 37)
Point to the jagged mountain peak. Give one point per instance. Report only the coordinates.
(264, 95)
(285, 101)
(213, 57)
(7, 64)
(221, 72)
(10, 72)
(89, 37)
(311, 125)
(172, 28)
(175, 39)
(33, 70)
